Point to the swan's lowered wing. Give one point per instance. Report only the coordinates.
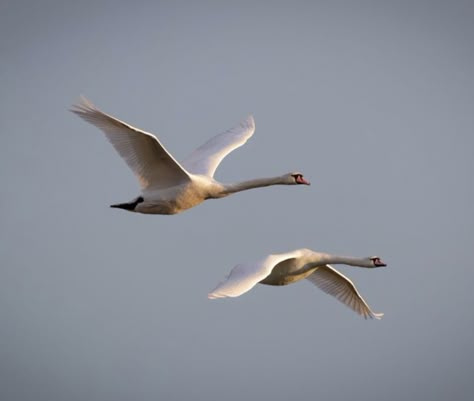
(154, 167)
(334, 283)
(205, 159)
(244, 277)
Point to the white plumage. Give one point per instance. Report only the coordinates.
(169, 187)
(286, 268)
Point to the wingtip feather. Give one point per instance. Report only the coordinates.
(84, 105)
(213, 295)
(249, 122)
(377, 316)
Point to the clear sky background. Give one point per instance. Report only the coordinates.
(372, 101)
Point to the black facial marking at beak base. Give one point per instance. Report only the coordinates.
(299, 179)
(378, 263)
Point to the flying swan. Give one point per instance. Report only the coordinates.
(169, 187)
(286, 268)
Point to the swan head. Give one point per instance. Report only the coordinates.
(375, 261)
(296, 178)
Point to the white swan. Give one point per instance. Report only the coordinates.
(169, 187)
(286, 268)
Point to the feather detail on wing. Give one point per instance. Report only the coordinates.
(154, 167)
(334, 283)
(205, 159)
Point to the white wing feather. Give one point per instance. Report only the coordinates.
(244, 277)
(205, 159)
(153, 166)
(334, 283)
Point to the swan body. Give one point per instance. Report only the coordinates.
(170, 187)
(286, 268)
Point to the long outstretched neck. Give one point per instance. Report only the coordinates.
(340, 260)
(257, 183)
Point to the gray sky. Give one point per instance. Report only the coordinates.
(372, 101)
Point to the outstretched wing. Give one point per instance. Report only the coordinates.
(205, 159)
(334, 283)
(154, 167)
(244, 277)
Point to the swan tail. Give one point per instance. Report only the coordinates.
(130, 206)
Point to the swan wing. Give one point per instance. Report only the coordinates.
(334, 283)
(205, 159)
(244, 277)
(154, 167)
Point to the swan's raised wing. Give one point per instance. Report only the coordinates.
(205, 159)
(154, 167)
(244, 277)
(334, 283)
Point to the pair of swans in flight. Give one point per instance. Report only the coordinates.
(170, 187)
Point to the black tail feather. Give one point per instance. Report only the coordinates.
(128, 206)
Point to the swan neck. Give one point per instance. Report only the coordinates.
(250, 184)
(341, 260)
